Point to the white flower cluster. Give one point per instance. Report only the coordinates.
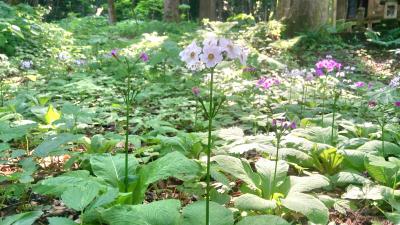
(395, 82)
(26, 64)
(64, 56)
(212, 53)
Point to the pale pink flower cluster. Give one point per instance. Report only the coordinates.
(266, 83)
(212, 53)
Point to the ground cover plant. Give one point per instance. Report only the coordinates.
(194, 123)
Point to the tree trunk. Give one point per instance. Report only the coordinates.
(112, 15)
(171, 10)
(302, 15)
(207, 10)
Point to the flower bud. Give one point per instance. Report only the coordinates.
(196, 91)
(144, 57)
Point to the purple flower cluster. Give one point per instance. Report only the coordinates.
(359, 84)
(397, 103)
(327, 66)
(114, 53)
(144, 57)
(249, 69)
(284, 124)
(266, 83)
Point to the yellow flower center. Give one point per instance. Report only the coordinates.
(192, 55)
(211, 56)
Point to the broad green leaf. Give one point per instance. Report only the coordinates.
(306, 183)
(290, 154)
(345, 178)
(173, 164)
(393, 217)
(8, 133)
(383, 171)
(93, 211)
(60, 221)
(79, 197)
(307, 205)
(106, 198)
(239, 168)
(26, 218)
(111, 168)
(196, 214)
(57, 185)
(54, 144)
(376, 146)
(123, 215)
(353, 159)
(316, 134)
(164, 212)
(253, 202)
(263, 220)
(266, 169)
(51, 115)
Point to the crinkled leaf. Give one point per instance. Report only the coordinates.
(371, 192)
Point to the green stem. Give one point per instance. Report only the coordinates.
(208, 176)
(290, 92)
(333, 116)
(303, 99)
(278, 140)
(127, 134)
(195, 115)
(323, 104)
(2, 94)
(383, 137)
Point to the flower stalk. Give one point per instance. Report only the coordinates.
(210, 121)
